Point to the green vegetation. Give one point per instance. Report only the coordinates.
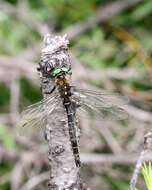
(147, 175)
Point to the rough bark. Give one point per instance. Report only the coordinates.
(63, 172)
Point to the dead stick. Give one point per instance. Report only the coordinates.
(64, 174)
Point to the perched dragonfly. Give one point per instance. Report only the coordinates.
(73, 99)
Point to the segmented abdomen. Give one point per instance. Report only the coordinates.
(72, 134)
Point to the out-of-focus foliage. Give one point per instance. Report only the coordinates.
(6, 138)
(29, 93)
(4, 98)
(124, 42)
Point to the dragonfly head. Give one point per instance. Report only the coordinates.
(55, 59)
(61, 71)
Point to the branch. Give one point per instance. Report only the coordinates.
(36, 180)
(121, 158)
(8, 155)
(15, 94)
(64, 174)
(109, 138)
(139, 114)
(27, 68)
(21, 12)
(85, 73)
(13, 65)
(102, 15)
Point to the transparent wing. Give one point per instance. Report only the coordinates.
(103, 104)
(34, 116)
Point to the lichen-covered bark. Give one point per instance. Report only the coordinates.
(63, 172)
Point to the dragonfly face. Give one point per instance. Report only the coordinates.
(55, 59)
(53, 64)
(61, 71)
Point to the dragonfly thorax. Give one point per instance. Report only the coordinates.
(64, 88)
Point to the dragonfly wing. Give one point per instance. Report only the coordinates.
(103, 104)
(35, 116)
(102, 98)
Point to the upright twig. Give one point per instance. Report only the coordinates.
(147, 147)
(63, 172)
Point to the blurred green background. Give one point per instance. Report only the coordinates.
(116, 52)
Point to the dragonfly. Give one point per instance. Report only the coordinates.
(100, 103)
(75, 101)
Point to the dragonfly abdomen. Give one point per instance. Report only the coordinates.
(65, 93)
(72, 134)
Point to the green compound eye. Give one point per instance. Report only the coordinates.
(58, 71)
(64, 69)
